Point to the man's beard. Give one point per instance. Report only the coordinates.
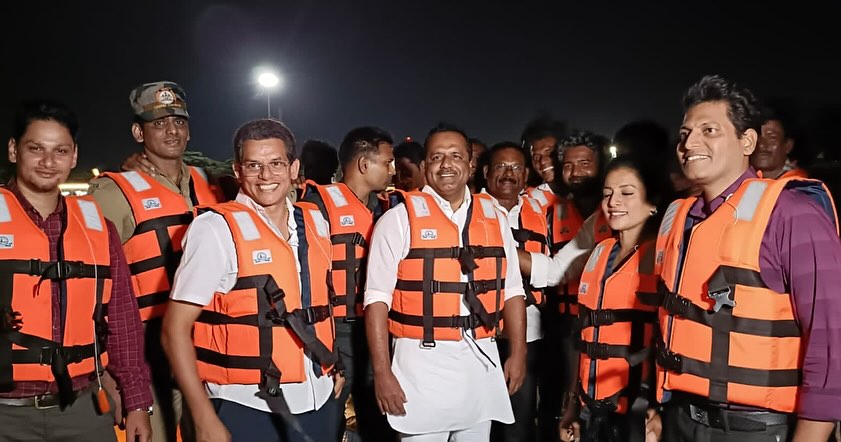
(584, 188)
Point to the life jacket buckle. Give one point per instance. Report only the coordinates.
(602, 317)
(427, 344)
(721, 298)
(676, 304)
(670, 361)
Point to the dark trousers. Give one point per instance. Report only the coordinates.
(247, 424)
(523, 402)
(371, 425)
(678, 426)
(78, 422)
(557, 357)
(609, 427)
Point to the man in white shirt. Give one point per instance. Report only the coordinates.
(506, 176)
(450, 388)
(210, 279)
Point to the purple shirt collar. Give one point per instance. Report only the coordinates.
(702, 209)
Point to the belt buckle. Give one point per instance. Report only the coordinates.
(39, 406)
(699, 415)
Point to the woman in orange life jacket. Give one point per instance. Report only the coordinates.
(616, 329)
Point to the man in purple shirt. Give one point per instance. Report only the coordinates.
(52, 327)
(799, 254)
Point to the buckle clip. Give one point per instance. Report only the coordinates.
(670, 361)
(721, 298)
(676, 304)
(40, 406)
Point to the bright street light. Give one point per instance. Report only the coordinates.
(268, 81)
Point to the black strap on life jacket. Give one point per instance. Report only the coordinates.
(271, 312)
(471, 289)
(167, 259)
(722, 289)
(38, 350)
(354, 272)
(522, 236)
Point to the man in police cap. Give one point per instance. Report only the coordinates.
(151, 212)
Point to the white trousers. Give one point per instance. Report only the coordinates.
(480, 432)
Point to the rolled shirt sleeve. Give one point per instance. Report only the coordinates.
(389, 245)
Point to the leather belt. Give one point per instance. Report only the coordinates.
(733, 420)
(41, 401)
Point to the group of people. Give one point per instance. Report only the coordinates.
(604, 303)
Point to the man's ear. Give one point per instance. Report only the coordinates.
(362, 164)
(749, 142)
(137, 132)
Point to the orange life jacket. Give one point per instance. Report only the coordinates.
(726, 335)
(565, 222)
(531, 236)
(428, 296)
(794, 173)
(351, 225)
(617, 330)
(154, 249)
(84, 270)
(546, 198)
(257, 333)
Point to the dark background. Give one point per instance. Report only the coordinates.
(406, 65)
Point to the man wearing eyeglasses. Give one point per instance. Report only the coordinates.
(249, 323)
(506, 175)
(151, 213)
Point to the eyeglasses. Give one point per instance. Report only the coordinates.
(276, 167)
(500, 167)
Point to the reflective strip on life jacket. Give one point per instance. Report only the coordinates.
(257, 332)
(726, 335)
(428, 295)
(27, 349)
(617, 329)
(161, 217)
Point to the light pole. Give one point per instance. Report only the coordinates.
(268, 81)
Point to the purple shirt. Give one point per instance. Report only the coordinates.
(801, 254)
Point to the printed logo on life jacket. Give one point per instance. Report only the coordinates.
(582, 290)
(151, 203)
(660, 256)
(261, 256)
(7, 241)
(429, 234)
(346, 220)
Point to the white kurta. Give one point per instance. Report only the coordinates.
(451, 386)
(209, 265)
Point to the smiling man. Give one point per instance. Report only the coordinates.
(151, 213)
(749, 317)
(249, 322)
(776, 141)
(506, 175)
(441, 268)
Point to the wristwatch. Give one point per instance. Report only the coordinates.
(148, 410)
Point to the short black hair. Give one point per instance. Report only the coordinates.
(44, 110)
(541, 127)
(743, 108)
(264, 129)
(362, 141)
(412, 150)
(507, 145)
(591, 140)
(319, 161)
(446, 127)
(784, 114)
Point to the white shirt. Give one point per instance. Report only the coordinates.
(209, 265)
(534, 331)
(569, 262)
(451, 386)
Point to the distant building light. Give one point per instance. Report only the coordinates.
(95, 172)
(613, 151)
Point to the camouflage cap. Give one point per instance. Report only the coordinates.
(151, 101)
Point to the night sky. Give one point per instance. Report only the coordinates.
(405, 65)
